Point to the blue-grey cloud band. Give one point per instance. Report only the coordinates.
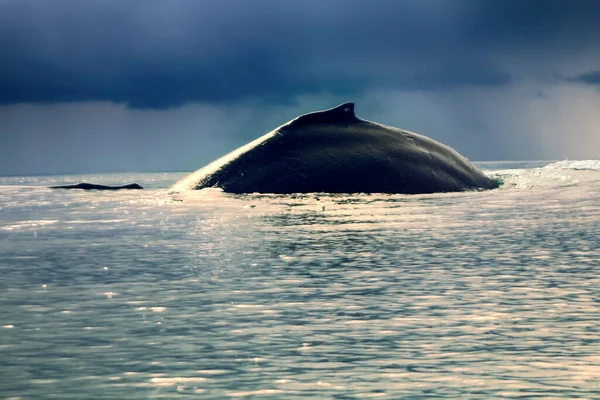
(478, 75)
(157, 55)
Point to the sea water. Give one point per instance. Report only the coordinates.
(147, 294)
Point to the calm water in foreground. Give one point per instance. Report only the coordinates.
(143, 294)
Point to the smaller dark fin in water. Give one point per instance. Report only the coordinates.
(92, 186)
(342, 114)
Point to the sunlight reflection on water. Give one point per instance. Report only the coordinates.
(478, 295)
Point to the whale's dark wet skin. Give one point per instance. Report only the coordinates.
(93, 186)
(333, 151)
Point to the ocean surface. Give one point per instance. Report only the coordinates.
(146, 294)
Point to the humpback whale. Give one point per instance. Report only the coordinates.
(333, 151)
(92, 186)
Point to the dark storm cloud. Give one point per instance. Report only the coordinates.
(156, 54)
(588, 78)
(552, 23)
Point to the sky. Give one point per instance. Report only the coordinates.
(91, 86)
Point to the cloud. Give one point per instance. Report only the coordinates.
(155, 85)
(157, 55)
(152, 54)
(588, 78)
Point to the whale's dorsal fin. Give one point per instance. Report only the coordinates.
(342, 114)
(346, 109)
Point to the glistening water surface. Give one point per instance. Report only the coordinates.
(144, 294)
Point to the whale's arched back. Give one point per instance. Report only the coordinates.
(334, 151)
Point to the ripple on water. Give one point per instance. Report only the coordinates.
(470, 295)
